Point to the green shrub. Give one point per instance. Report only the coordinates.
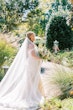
(57, 104)
(6, 51)
(64, 80)
(1, 74)
(58, 29)
(52, 104)
(64, 58)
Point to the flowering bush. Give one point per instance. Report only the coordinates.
(44, 53)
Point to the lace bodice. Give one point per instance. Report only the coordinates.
(34, 48)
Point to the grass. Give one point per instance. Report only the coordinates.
(58, 104)
(64, 57)
(64, 80)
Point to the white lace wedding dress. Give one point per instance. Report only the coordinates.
(19, 88)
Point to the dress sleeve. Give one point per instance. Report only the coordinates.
(32, 49)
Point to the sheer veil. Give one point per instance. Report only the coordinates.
(14, 74)
(20, 86)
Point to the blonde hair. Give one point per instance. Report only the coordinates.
(29, 33)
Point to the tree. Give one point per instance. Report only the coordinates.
(59, 30)
(60, 5)
(34, 21)
(54, 7)
(11, 12)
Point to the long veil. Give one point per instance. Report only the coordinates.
(14, 73)
(20, 86)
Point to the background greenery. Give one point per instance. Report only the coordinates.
(59, 30)
(7, 54)
(6, 51)
(17, 17)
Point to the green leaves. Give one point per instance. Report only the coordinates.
(59, 30)
(64, 80)
(11, 12)
(6, 50)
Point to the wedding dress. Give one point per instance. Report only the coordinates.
(19, 87)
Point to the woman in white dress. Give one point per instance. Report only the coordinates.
(19, 89)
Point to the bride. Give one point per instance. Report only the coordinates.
(19, 89)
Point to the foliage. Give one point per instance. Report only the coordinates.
(65, 58)
(58, 29)
(6, 51)
(62, 57)
(57, 104)
(11, 12)
(34, 21)
(44, 53)
(58, 5)
(54, 7)
(1, 74)
(64, 80)
(71, 18)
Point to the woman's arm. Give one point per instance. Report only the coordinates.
(35, 56)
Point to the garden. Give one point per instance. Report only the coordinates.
(53, 26)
